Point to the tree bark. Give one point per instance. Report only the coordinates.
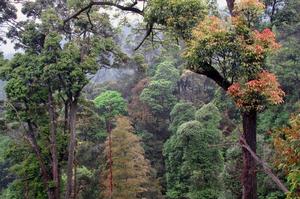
(53, 145)
(45, 175)
(249, 181)
(108, 124)
(66, 117)
(230, 5)
(71, 153)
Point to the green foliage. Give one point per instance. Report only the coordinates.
(26, 168)
(166, 71)
(182, 112)
(209, 116)
(179, 15)
(159, 93)
(111, 104)
(193, 159)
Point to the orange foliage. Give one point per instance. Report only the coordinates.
(131, 170)
(287, 154)
(210, 25)
(266, 85)
(266, 39)
(249, 6)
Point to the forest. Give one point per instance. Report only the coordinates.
(149, 99)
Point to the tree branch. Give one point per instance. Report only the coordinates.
(230, 5)
(212, 73)
(129, 8)
(148, 32)
(264, 165)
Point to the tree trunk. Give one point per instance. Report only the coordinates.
(45, 176)
(249, 181)
(71, 155)
(66, 117)
(230, 5)
(53, 146)
(110, 159)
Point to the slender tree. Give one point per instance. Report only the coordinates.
(111, 104)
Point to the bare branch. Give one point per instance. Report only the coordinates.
(148, 32)
(89, 18)
(129, 8)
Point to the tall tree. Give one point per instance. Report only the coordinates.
(53, 75)
(111, 104)
(159, 94)
(193, 158)
(240, 69)
(132, 178)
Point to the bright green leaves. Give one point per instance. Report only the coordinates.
(111, 104)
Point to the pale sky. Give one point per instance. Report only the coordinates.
(8, 49)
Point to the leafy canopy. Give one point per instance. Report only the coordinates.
(111, 104)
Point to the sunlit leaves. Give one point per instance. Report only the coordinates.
(111, 104)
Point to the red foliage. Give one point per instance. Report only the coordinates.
(265, 85)
(266, 39)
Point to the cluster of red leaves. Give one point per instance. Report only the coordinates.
(260, 43)
(265, 85)
(265, 40)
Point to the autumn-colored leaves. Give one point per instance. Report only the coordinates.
(258, 92)
(238, 50)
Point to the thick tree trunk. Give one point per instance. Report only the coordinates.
(249, 181)
(71, 155)
(53, 146)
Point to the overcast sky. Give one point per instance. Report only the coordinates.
(8, 49)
